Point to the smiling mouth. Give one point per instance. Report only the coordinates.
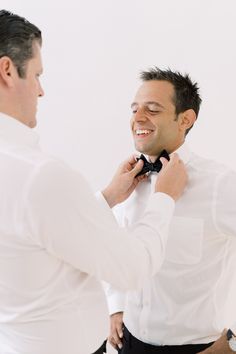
(142, 133)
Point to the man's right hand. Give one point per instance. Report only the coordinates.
(116, 330)
(124, 181)
(173, 177)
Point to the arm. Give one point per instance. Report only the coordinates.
(224, 212)
(63, 217)
(116, 305)
(224, 206)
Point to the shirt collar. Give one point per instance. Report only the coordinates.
(184, 153)
(12, 130)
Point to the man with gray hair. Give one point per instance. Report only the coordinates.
(56, 242)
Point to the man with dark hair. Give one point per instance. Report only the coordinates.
(189, 302)
(185, 96)
(56, 242)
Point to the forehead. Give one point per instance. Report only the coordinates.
(155, 91)
(36, 60)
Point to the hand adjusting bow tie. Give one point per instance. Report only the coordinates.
(155, 166)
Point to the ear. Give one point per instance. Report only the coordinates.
(7, 71)
(187, 119)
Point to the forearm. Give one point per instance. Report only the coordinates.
(110, 197)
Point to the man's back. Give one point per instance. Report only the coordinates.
(42, 308)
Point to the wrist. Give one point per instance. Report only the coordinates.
(109, 196)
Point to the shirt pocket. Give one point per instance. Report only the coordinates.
(184, 245)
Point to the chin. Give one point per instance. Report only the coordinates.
(149, 152)
(142, 149)
(32, 123)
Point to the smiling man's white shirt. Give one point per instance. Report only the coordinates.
(55, 242)
(192, 298)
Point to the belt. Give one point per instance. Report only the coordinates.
(132, 342)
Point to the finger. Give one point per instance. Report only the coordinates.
(164, 162)
(174, 158)
(111, 341)
(114, 343)
(129, 163)
(132, 159)
(137, 168)
(116, 339)
(120, 330)
(142, 178)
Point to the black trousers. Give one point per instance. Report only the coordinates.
(132, 345)
(102, 349)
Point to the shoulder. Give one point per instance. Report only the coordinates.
(208, 166)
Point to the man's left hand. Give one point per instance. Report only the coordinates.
(221, 346)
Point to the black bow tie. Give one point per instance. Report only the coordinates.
(155, 166)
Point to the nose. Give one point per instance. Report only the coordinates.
(139, 115)
(41, 91)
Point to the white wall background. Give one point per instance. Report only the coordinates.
(93, 52)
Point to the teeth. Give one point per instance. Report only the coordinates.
(142, 131)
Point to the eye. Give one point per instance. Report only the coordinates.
(152, 111)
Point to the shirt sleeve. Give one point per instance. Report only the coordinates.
(224, 204)
(115, 298)
(63, 216)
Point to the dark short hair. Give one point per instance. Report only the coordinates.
(17, 36)
(186, 91)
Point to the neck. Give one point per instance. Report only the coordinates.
(153, 158)
(7, 107)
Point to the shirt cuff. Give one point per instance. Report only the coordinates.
(115, 299)
(116, 304)
(162, 205)
(102, 201)
(104, 205)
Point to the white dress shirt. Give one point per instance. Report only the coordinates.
(56, 244)
(193, 297)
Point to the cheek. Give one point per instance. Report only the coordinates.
(169, 132)
(156, 125)
(131, 123)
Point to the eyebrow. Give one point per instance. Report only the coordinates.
(148, 103)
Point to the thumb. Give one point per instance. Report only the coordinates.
(120, 332)
(137, 168)
(164, 162)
